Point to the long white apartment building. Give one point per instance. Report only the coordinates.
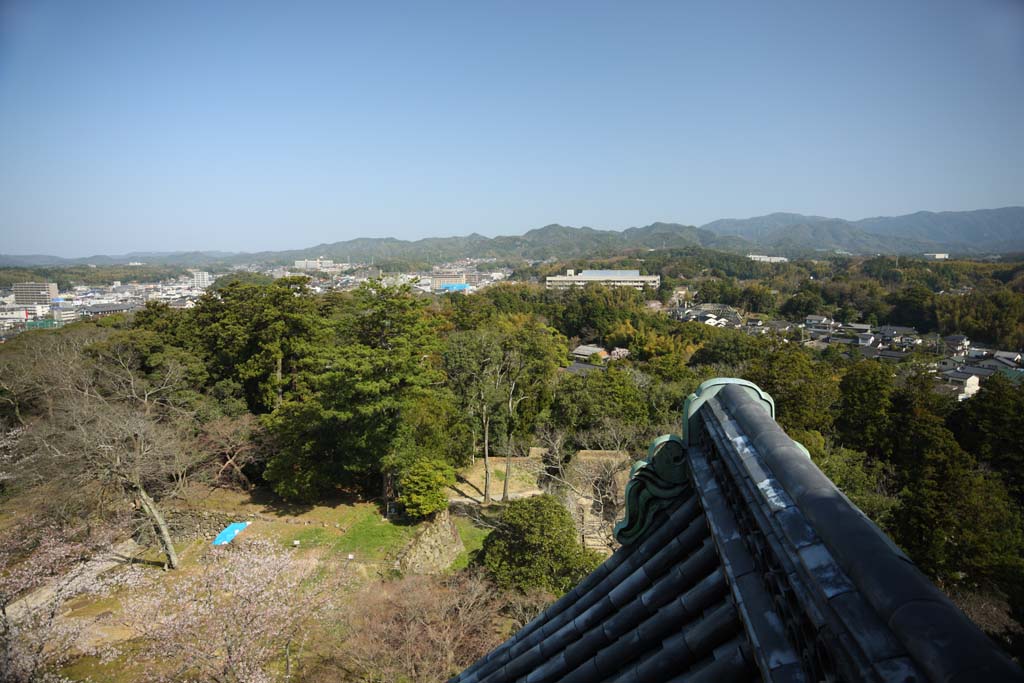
(609, 278)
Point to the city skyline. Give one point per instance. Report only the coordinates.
(243, 127)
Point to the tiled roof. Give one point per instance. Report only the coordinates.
(742, 562)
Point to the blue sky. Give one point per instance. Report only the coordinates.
(267, 125)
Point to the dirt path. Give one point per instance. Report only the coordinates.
(514, 495)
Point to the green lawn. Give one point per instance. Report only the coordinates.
(363, 533)
(472, 537)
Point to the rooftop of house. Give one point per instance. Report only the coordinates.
(897, 330)
(741, 561)
(576, 368)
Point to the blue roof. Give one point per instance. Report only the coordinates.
(454, 287)
(229, 533)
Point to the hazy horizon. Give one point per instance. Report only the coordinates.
(252, 127)
(301, 247)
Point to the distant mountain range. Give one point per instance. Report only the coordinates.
(978, 232)
(962, 232)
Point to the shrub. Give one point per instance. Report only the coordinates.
(535, 546)
(423, 487)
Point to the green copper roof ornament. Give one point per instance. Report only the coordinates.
(657, 482)
(653, 485)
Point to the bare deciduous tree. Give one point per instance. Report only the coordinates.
(422, 629)
(109, 428)
(235, 443)
(129, 456)
(590, 485)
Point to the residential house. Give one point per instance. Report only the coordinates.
(855, 328)
(780, 326)
(998, 363)
(709, 314)
(957, 343)
(865, 339)
(586, 353)
(897, 333)
(969, 383)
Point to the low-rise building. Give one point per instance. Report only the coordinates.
(609, 278)
(316, 265)
(957, 343)
(64, 314)
(717, 315)
(587, 353)
(767, 259)
(969, 383)
(438, 281)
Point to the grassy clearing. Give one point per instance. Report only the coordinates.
(90, 668)
(339, 528)
(358, 530)
(524, 477)
(472, 537)
(374, 538)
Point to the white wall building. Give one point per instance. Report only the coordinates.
(609, 278)
(767, 259)
(317, 264)
(31, 293)
(201, 279)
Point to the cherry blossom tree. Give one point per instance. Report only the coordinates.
(41, 569)
(243, 617)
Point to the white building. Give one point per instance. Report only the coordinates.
(937, 257)
(201, 279)
(767, 259)
(31, 293)
(609, 278)
(439, 280)
(317, 264)
(64, 314)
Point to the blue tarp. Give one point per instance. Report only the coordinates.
(229, 533)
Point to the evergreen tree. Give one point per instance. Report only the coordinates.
(257, 335)
(344, 418)
(804, 390)
(955, 521)
(988, 425)
(865, 401)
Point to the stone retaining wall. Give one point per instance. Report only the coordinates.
(433, 549)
